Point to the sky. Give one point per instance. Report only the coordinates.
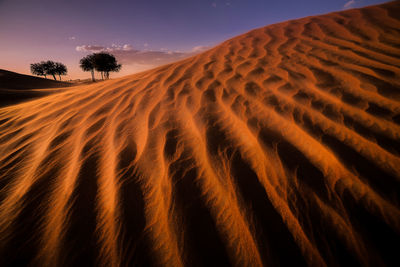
(140, 33)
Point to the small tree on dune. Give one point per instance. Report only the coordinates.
(38, 69)
(105, 63)
(87, 64)
(60, 69)
(102, 62)
(49, 68)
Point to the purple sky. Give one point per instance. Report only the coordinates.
(141, 33)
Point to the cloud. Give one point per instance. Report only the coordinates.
(214, 5)
(148, 57)
(127, 47)
(72, 38)
(199, 48)
(98, 48)
(349, 4)
(90, 48)
(127, 55)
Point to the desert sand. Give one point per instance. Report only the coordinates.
(16, 88)
(278, 147)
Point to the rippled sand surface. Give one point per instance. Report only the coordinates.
(280, 147)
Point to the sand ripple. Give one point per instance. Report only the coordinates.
(278, 147)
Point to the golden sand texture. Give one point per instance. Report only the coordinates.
(278, 147)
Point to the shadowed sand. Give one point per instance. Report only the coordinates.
(16, 88)
(278, 147)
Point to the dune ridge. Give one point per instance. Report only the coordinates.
(278, 147)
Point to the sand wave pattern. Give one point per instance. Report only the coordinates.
(278, 147)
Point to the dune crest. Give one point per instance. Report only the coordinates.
(278, 147)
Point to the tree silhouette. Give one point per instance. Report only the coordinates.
(87, 64)
(60, 69)
(38, 69)
(105, 63)
(49, 68)
(102, 62)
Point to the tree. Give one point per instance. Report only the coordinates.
(38, 69)
(102, 62)
(60, 69)
(105, 63)
(49, 68)
(87, 64)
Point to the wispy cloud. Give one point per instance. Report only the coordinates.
(127, 47)
(127, 55)
(90, 48)
(214, 5)
(349, 4)
(72, 38)
(199, 48)
(98, 48)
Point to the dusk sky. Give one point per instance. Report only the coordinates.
(141, 33)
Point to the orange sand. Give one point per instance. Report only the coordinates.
(277, 147)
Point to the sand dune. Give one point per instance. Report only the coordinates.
(278, 147)
(16, 88)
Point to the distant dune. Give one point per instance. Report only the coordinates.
(280, 147)
(16, 88)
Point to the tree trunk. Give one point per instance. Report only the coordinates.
(93, 80)
(59, 76)
(45, 76)
(54, 76)
(102, 77)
